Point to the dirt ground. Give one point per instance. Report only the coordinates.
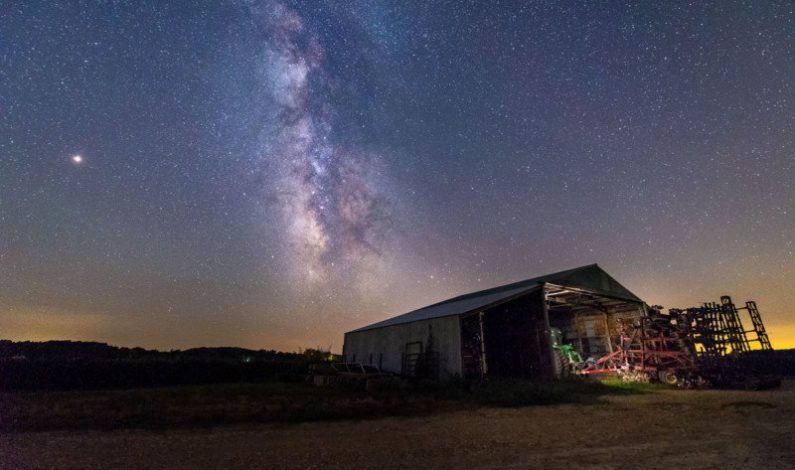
(661, 429)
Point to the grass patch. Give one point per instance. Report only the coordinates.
(272, 402)
(521, 393)
(619, 385)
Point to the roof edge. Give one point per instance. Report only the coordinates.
(378, 325)
(521, 287)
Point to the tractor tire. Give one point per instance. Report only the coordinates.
(668, 377)
(562, 368)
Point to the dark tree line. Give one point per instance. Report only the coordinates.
(77, 364)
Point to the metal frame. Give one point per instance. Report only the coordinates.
(697, 342)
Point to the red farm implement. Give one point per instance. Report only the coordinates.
(653, 348)
(699, 346)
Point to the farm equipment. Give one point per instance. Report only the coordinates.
(567, 359)
(652, 349)
(694, 347)
(349, 375)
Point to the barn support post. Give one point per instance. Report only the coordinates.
(579, 330)
(550, 362)
(607, 332)
(483, 363)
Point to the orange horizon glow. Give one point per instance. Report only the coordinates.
(59, 324)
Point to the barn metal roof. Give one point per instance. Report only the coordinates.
(591, 277)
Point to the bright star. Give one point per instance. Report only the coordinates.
(77, 159)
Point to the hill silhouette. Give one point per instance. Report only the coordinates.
(89, 364)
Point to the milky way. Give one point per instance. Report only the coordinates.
(334, 215)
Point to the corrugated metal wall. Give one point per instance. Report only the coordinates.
(388, 344)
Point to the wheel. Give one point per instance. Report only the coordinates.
(668, 377)
(561, 363)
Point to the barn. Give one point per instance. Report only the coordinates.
(502, 332)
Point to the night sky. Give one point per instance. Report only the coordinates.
(270, 175)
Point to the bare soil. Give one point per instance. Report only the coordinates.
(659, 429)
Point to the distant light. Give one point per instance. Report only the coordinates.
(77, 159)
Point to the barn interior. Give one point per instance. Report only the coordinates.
(511, 340)
(505, 340)
(587, 319)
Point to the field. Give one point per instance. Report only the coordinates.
(273, 425)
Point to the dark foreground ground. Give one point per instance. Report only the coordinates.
(653, 429)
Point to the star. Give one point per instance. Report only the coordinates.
(77, 159)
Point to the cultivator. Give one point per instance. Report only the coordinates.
(718, 329)
(699, 346)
